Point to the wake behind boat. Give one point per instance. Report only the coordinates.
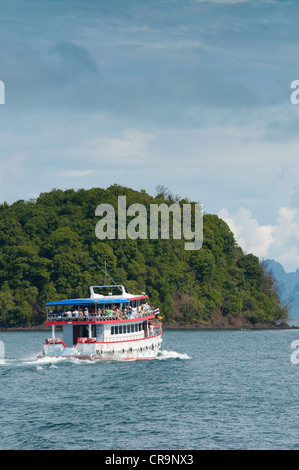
(105, 326)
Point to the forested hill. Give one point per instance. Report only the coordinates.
(49, 251)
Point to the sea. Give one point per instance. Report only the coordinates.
(207, 390)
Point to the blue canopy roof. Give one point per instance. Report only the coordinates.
(86, 302)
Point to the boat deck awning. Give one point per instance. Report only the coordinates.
(86, 302)
(96, 300)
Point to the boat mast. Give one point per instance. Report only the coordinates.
(106, 275)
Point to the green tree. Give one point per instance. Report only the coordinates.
(48, 250)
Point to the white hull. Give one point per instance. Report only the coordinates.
(146, 348)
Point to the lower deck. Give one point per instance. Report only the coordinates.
(135, 329)
(139, 339)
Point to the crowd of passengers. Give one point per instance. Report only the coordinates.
(85, 312)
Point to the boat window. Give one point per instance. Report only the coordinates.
(123, 329)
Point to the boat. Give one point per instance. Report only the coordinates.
(109, 325)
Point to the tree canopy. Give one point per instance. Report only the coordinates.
(49, 251)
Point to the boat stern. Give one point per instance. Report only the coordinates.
(85, 348)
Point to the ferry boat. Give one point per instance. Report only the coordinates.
(105, 326)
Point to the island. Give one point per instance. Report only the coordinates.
(49, 250)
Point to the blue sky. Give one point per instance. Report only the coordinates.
(193, 95)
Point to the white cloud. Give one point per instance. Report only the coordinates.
(13, 172)
(279, 241)
(77, 173)
(251, 236)
(286, 227)
(131, 145)
(289, 259)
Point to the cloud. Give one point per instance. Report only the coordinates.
(192, 95)
(58, 75)
(13, 172)
(77, 173)
(251, 236)
(279, 241)
(132, 144)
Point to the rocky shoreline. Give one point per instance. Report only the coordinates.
(230, 324)
(223, 324)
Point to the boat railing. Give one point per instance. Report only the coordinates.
(63, 317)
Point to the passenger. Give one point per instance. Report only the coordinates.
(76, 313)
(69, 314)
(119, 314)
(86, 312)
(133, 312)
(142, 309)
(80, 313)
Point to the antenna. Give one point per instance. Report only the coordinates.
(105, 271)
(106, 274)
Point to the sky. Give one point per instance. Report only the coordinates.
(193, 95)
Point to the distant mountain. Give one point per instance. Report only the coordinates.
(288, 286)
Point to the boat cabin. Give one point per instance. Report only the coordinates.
(102, 318)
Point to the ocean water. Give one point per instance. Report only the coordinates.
(206, 390)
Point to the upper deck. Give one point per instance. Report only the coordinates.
(60, 319)
(100, 308)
